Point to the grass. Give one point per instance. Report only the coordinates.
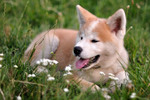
(22, 20)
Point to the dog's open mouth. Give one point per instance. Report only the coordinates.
(84, 63)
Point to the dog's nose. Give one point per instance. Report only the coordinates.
(77, 50)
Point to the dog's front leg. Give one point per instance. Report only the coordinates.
(122, 78)
(86, 84)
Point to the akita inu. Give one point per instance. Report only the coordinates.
(97, 47)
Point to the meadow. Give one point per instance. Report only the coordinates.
(22, 20)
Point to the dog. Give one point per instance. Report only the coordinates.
(97, 47)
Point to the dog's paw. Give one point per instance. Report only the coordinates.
(95, 88)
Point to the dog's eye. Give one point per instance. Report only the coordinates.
(94, 41)
(81, 37)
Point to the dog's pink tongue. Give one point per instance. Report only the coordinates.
(81, 63)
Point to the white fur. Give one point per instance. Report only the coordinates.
(89, 49)
(88, 35)
(80, 16)
(92, 26)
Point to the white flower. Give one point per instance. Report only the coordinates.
(67, 81)
(31, 75)
(68, 68)
(1, 58)
(15, 66)
(38, 62)
(66, 90)
(55, 62)
(19, 97)
(114, 78)
(0, 66)
(133, 95)
(65, 74)
(50, 78)
(131, 27)
(128, 6)
(107, 97)
(68, 73)
(104, 89)
(52, 62)
(48, 75)
(110, 74)
(102, 73)
(44, 62)
(1, 54)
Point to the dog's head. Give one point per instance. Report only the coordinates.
(98, 38)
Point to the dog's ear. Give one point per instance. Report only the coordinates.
(117, 23)
(83, 15)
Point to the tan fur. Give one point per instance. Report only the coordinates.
(63, 53)
(110, 47)
(104, 31)
(102, 28)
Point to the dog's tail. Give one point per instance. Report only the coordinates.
(43, 46)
